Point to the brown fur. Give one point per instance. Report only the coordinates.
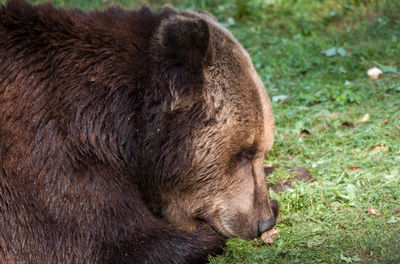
(122, 132)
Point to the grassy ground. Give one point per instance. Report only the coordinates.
(313, 57)
(327, 92)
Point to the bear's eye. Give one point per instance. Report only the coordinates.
(247, 154)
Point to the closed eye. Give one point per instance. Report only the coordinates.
(248, 153)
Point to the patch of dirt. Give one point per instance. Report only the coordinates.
(281, 186)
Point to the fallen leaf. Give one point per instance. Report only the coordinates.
(396, 209)
(352, 169)
(374, 73)
(386, 121)
(364, 119)
(373, 211)
(347, 125)
(268, 237)
(378, 147)
(304, 132)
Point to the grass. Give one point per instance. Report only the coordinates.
(327, 221)
(327, 92)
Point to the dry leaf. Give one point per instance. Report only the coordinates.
(378, 147)
(396, 209)
(374, 73)
(373, 211)
(386, 121)
(364, 119)
(304, 132)
(347, 125)
(352, 169)
(269, 236)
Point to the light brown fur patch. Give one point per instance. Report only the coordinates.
(230, 193)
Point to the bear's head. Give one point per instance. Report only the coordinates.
(217, 128)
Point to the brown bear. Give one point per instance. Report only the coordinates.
(127, 136)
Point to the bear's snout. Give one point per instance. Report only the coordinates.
(266, 225)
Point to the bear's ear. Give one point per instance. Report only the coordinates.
(182, 43)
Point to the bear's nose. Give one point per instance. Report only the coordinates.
(266, 225)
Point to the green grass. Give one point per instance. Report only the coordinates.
(325, 221)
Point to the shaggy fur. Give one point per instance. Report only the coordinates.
(122, 132)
